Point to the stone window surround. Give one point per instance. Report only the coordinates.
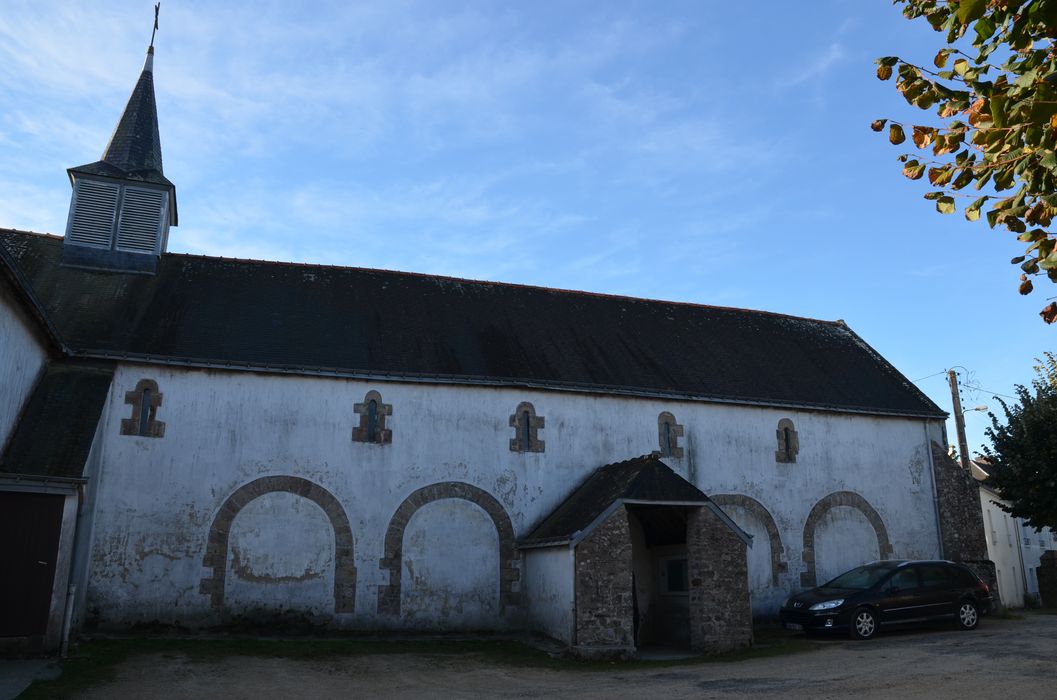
(383, 435)
(131, 425)
(535, 424)
(669, 447)
(788, 442)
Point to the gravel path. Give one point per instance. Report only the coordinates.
(1008, 659)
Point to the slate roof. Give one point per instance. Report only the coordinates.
(374, 323)
(55, 431)
(134, 150)
(644, 478)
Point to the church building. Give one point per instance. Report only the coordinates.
(199, 442)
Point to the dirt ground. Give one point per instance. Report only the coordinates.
(1009, 659)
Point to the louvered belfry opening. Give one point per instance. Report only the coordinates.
(112, 216)
(123, 205)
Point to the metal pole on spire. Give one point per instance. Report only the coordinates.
(157, 8)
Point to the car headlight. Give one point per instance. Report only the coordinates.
(828, 605)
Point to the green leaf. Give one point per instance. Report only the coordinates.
(960, 66)
(969, 10)
(998, 110)
(972, 213)
(945, 205)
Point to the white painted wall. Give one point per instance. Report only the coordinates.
(157, 497)
(281, 559)
(22, 356)
(451, 568)
(1003, 548)
(548, 578)
(1034, 544)
(844, 539)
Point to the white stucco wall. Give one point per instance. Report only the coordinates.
(1003, 548)
(549, 576)
(280, 559)
(22, 355)
(157, 497)
(451, 568)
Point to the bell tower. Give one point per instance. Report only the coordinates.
(123, 205)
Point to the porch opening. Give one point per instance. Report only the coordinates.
(660, 576)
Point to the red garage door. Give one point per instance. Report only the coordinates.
(29, 544)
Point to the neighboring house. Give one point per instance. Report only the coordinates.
(1014, 547)
(212, 440)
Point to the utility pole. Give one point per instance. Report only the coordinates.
(959, 420)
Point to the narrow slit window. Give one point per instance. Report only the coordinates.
(145, 401)
(788, 442)
(526, 425)
(144, 411)
(668, 434)
(372, 421)
(372, 427)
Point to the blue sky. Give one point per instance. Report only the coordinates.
(711, 152)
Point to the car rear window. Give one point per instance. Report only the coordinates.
(935, 576)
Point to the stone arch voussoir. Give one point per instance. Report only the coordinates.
(509, 561)
(808, 579)
(216, 556)
(760, 511)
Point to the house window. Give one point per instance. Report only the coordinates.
(526, 425)
(676, 574)
(788, 442)
(372, 413)
(668, 434)
(145, 400)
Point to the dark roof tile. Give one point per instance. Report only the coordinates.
(54, 434)
(309, 318)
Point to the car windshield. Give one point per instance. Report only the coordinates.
(860, 579)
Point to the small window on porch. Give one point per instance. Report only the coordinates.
(676, 576)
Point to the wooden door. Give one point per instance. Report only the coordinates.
(29, 545)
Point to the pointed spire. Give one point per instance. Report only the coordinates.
(135, 146)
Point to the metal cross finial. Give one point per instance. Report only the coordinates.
(157, 7)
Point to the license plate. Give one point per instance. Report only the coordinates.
(794, 626)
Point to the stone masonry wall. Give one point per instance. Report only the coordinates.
(603, 587)
(720, 611)
(962, 517)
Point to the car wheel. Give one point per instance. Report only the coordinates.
(968, 616)
(863, 624)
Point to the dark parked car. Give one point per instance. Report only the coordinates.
(889, 593)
